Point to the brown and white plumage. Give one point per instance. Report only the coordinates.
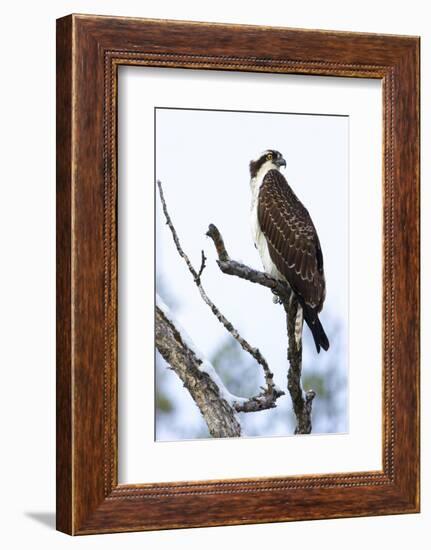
(287, 240)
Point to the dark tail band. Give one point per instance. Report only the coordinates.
(319, 336)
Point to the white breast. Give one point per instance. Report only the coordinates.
(258, 236)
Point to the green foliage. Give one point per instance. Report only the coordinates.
(316, 382)
(163, 404)
(239, 372)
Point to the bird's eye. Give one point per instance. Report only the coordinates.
(269, 156)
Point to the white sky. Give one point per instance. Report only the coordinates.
(202, 160)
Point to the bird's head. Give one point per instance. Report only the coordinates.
(271, 159)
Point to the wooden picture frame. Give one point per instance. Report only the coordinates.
(89, 51)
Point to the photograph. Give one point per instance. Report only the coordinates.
(251, 273)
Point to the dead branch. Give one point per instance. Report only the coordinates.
(218, 414)
(266, 399)
(232, 267)
(302, 403)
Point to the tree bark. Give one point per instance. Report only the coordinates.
(302, 403)
(218, 414)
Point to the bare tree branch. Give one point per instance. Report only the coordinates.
(267, 397)
(302, 404)
(203, 264)
(232, 267)
(218, 414)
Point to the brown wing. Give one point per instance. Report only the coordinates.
(292, 239)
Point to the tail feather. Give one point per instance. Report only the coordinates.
(316, 328)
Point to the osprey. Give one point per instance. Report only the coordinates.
(287, 241)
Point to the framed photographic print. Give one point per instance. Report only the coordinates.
(237, 274)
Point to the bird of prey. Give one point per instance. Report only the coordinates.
(287, 241)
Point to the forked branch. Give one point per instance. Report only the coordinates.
(266, 399)
(302, 402)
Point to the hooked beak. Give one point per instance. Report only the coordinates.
(280, 162)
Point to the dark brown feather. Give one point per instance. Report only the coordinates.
(292, 239)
